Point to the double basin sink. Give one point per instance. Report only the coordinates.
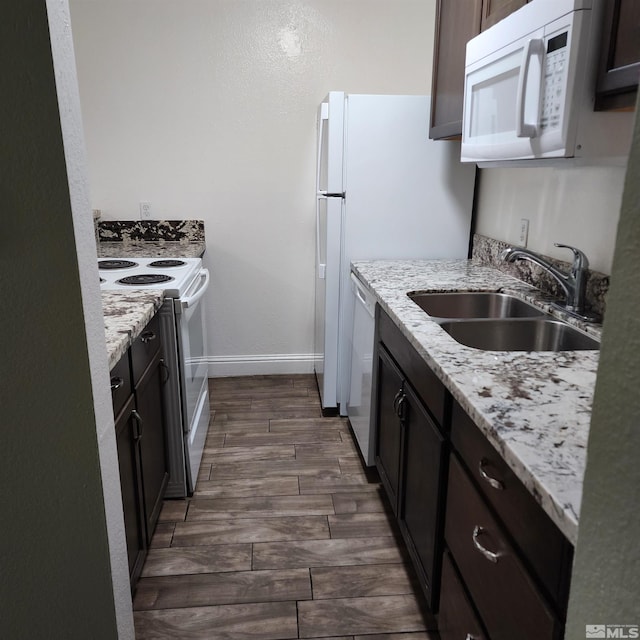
(500, 322)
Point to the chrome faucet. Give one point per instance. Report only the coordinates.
(572, 283)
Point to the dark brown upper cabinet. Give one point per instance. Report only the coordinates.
(457, 21)
(494, 10)
(619, 69)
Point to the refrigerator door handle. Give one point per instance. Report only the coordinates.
(324, 116)
(322, 266)
(326, 194)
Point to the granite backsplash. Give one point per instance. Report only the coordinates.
(151, 230)
(150, 238)
(486, 251)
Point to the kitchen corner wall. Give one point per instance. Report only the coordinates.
(207, 109)
(579, 206)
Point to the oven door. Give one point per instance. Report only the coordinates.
(194, 372)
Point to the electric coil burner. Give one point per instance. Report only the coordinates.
(116, 264)
(163, 264)
(145, 278)
(173, 276)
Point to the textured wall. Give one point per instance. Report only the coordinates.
(606, 579)
(207, 109)
(579, 206)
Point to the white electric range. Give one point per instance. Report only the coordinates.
(184, 282)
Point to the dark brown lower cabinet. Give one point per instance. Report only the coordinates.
(492, 564)
(410, 450)
(153, 452)
(128, 445)
(548, 554)
(390, 429)
(458, 619)
(137, 383)
(503, 591)
(420, 512)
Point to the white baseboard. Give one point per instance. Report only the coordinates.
(264, 364)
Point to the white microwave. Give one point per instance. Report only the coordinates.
(530, 87)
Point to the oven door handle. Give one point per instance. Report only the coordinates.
(191, 300)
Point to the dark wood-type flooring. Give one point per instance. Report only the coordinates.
(285, 536)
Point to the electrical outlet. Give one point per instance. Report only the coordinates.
(524, 232)
(145, 211)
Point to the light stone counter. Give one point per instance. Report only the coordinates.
(535, 408)
(126, 314)
(150, 249)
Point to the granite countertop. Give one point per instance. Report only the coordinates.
(151, 249)
(126, 314)
(535, 408)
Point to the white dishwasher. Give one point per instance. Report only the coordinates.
(359, 404)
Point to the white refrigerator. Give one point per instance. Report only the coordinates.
(384, 191)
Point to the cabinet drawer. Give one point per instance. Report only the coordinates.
(457, 619)
(145, 348)
(505, 595)
(423, 379)
(120, 384)
(543, 545)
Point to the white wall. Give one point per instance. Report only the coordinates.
(207, 109)
(570, 205)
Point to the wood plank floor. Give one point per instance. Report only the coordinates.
(285, 535)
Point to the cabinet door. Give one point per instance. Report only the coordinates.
(421, 503)
(127, 443)
(155, 474)
(388, 425)
(619, 65)
(457, 21)
(495, 10)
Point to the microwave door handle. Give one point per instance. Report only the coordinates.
(535, 46)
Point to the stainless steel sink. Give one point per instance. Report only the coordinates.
(535, 334)
(469, 304)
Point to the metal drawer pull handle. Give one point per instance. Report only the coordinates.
(147, 336)
(396, 400)
(489, 555)
(137, 418)
(116, 383)
(163, 364)
(496, 484)
(471, 637)
(401, 402)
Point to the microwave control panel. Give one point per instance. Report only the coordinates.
(555, 75)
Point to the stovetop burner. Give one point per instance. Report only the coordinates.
(166, 263)
(145, 278)
(116, 264)
(172, 274)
